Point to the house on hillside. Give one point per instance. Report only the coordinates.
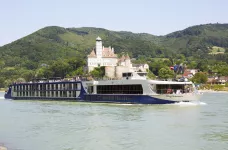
(140, 67)
(218, 80)
(189, 73)
(222, 80)
(211, 80)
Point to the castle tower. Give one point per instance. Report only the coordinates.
(127, 61)
(98, 47)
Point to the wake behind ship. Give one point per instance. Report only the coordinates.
(133, 88)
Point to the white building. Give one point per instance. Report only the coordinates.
(126, 61)
(101, 56)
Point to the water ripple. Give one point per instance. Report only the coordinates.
(35, 125)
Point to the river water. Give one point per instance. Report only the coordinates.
(48, 125)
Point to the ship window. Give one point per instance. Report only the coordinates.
(120, 89)
(90, 89)
(129, 74)
(162, 88)
(142, 74)
(70, 86)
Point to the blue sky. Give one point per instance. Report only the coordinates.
(159, 17)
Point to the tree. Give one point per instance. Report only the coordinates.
(98, 72)
(8, 82)
(226, 50)
(2, 82)
(150, 75)
(60, 68)
(95, 73)
(202, 65)
(77, 72)
(199, 77)
(28, 75)
(2, 64)
(44, 72)
(155, 66)
(20, 80)
(165, 73)
(192, 65)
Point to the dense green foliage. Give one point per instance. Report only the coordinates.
(61, 52)
(199, 77)
(215, 87)
(165, 73)
(150, 75)
(98, 72)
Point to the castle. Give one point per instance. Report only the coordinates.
(114, 67)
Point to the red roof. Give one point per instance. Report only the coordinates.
(107, 52)
(186, 73)
(127, 57)
(92, 54)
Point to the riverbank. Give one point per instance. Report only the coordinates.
(2, 89)
(212, 91)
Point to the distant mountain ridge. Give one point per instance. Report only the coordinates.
(53, 42)
(211, 34)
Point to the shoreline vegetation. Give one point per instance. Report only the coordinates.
(213, 88)
(212, 91)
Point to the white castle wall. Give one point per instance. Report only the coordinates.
(109, 62)
(110, 71)
(92, 62)
(120, 70)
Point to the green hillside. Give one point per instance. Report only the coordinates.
(196, 40)
(216, 50)
(51, 43)
(54, 46)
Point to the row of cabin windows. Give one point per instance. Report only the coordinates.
(66, 86)
(117, 89)
(128, 74)
(46, 94)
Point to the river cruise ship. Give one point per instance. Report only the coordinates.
(133, 88)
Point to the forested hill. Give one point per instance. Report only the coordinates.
(51, 43)
(197, 39)
(72, 45)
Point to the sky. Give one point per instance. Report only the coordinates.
(19, 18)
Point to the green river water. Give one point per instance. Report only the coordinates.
(50, 125)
